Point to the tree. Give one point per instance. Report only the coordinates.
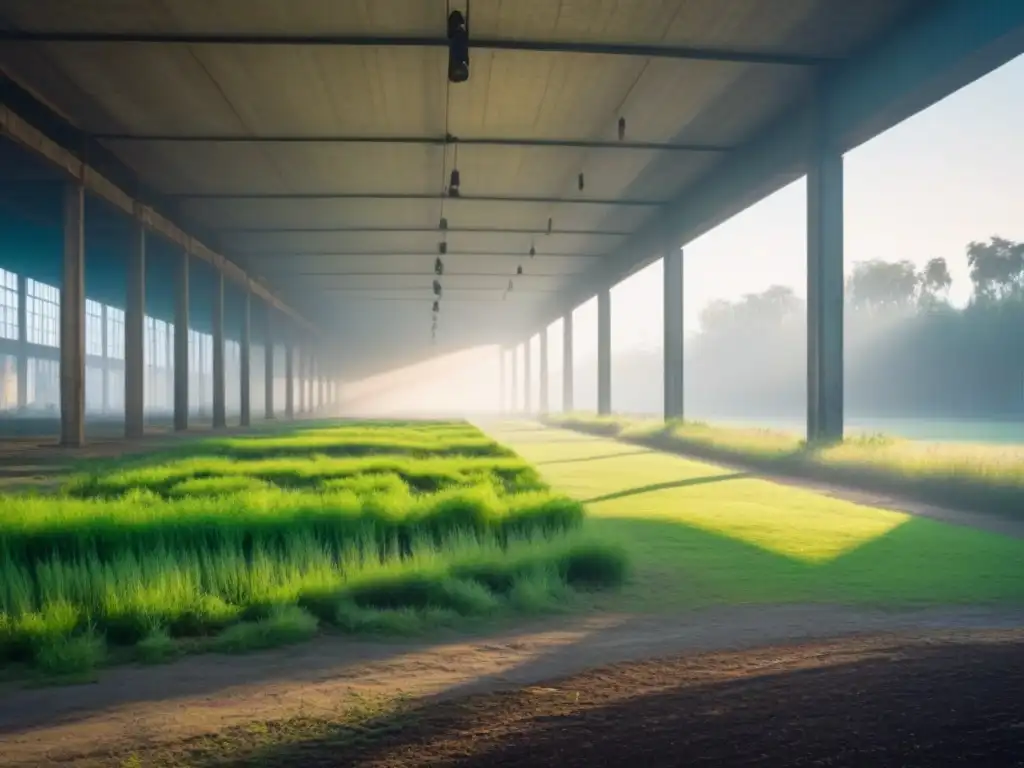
(996, 268)
(934, 281)
(880, 285)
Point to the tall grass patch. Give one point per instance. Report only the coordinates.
(973, 477)
(259, 541)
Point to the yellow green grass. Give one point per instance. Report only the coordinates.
(244, 547)
(700, 535)
(969, 476)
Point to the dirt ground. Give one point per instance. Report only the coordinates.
(307, 690)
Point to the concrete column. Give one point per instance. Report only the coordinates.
(135, 334)
(502, 380)
(244, 361)
(528, 375)
(219, 407)
(181, 343)
(824, 289)
(289, 380)
(543, 371)
(23, 341)
(567, 363)
(72, 319)
(300, 370)
(268, 363)
(673, 333)
(104, 351)
(604, 352)
(515, 380)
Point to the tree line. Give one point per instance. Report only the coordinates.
(908, 352)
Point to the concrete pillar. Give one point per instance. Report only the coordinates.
(567, 363)
(219, 407)
(543, 370)
(244, 361)
(673, 333)
(135, 333)
(23, 341)
(181, 343)
(527, 377)
(268, 363)
(502, 381)
(515, 380)
(289, 380)
(105, 352)
(72, 319)
(824, 289)
(604, 352)
(300, 369)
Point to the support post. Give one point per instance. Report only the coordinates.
(135, 333)
(72, 319)
(181, 344)
(502, 382)
(673, 333)
(515, 379)
(219, 405)
(542, 405)
(105, 352)
(604, 352)
(22, 342)
(527, 376)
(289, 380)
(824, 288)
(268, 362)
(244, 361)
(567, 363)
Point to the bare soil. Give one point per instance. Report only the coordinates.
(259, 709)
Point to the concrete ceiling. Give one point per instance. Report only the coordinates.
(349, 230)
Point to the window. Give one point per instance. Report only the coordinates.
(42, 307)
(93, 328)
(8, 305)
(115, 333)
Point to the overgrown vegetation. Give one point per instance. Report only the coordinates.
(259, 541)
(980, 478)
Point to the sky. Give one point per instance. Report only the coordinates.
(927, 187)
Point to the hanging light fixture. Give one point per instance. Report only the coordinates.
(579, 181)
(437, 308)
(443, 224)
(458, 47)
(453, 183)
(519, 269)
(442, 247)
(550, 224)
(533, 251)
(437, 288)
(438, 266)
(622, 128)
(509, 286)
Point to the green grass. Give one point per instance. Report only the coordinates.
(258, 541)
(699, 535)
(969, 476)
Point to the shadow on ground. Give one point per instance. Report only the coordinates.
(862, 701)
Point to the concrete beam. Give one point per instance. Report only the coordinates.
(72, 319)
(567, 363)
(673, 333)
(604, 352)
(181, 361)
(135, 334)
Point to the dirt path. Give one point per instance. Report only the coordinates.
(143, 707)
